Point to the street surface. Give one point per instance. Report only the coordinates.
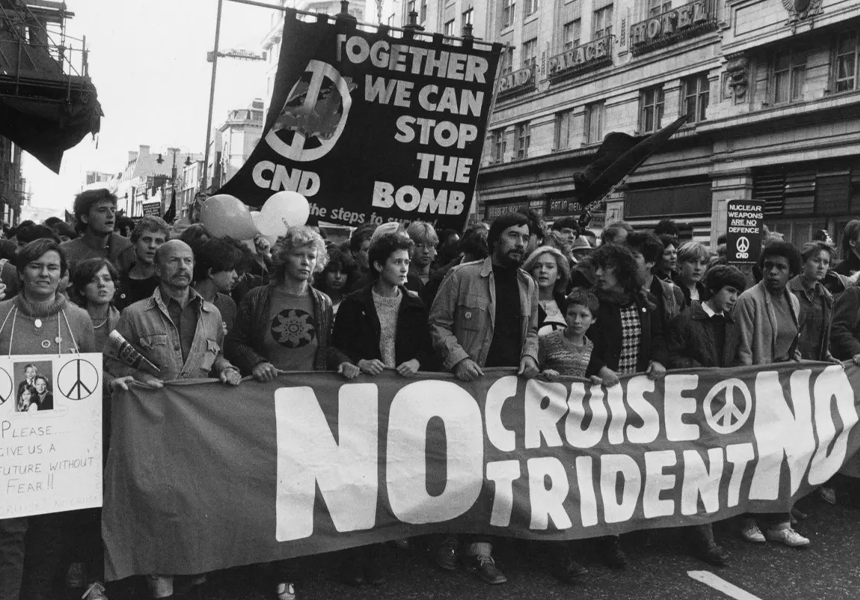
(659, 565)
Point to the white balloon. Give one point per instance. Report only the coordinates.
(282, 210)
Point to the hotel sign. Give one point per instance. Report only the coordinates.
(672, 26)
(516, 82)
(581, 58)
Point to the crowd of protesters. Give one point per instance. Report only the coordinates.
(548, 302)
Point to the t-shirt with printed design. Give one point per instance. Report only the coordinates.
(291, 339)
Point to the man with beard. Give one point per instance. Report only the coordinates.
(95, 215)
(181, 334)
(139, 280)
(485, 315)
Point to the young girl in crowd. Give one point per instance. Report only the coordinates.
(568, 351)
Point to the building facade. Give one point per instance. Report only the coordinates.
(771, 89)
(12, 184)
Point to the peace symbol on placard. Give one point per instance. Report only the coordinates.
(743, 244)
(728, 417)
(78, 379)
(6, 386)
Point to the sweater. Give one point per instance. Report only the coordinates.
(61, 320)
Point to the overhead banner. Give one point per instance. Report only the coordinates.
(371, 126)
(202, 478)
(50, 434)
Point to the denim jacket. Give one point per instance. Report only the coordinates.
(463, 317)
(147, 326)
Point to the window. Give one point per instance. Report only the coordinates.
(531, 6)
(530, 53)
(410, 8)
(846, 62)
(522, 135)
(594, 122)
(508, 10)
(423, 16)
(563, 129)
(497, 148)
(570, 34)
(507, 60)
(656, 7)
(789, 75)
(696, 91)
(602, 22)
(651, 109)
(467, 17)
(449, 28)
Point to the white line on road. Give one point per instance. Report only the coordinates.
(721, 585)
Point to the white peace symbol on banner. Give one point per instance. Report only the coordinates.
(78, 379)
(743, 244)
(728, 418)
(306, 113)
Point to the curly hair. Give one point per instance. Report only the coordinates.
(297, 237)
(562, 264)
(384, 247)
(620, 258)
(784, 249)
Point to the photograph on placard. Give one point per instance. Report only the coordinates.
(33, 385)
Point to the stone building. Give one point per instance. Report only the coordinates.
(771, 88)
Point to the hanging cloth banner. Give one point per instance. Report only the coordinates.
(370, 127)
(201, 477)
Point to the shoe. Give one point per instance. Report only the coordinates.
(828, 494)
(787, 536)
(712, 554)
(445, 553)
(567, 571)
(95, 592)
(751, 533)
(76, 576)
(352, 573)
(613, 554)
(485, 567)
(373, 571)
(286, 591)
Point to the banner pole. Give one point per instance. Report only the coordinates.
(203, 186)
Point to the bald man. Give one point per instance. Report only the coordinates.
(178, 332)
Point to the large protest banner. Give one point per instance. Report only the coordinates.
(372, 127)
(50, 434)
(201, 477)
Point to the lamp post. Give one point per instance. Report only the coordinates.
(170, 213)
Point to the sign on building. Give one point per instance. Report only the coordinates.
(745, 219)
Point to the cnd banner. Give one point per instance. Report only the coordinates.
(50, 434)
(201, 478)
(373, 125)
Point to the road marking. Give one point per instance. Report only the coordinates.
(721, 585)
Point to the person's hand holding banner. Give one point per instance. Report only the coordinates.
(528, 368)
(122, 383)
